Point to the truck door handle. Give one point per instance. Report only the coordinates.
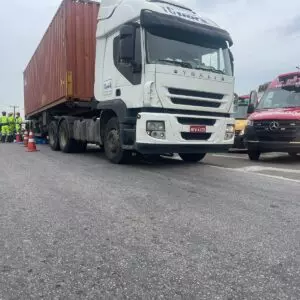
(118, 92)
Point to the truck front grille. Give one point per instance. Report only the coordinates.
(195, 98)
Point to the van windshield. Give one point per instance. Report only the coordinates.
(280, 98)
(161, 50)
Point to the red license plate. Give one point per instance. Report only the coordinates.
(198, 129)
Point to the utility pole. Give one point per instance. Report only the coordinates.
(14, 107)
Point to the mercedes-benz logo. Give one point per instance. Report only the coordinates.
(274, 125)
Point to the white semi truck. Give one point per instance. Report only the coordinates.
(162, 83)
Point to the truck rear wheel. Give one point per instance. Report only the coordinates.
(254, 155)
(192, 157)
(53, 137)
(66, 143)
(112, 143)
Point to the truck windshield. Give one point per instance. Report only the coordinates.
(280, 98)
(161, 50)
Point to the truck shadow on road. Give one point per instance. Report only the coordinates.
(138, 160)
(171, 162)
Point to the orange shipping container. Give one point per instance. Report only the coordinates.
(63, 66)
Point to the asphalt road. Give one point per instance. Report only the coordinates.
(77, 227)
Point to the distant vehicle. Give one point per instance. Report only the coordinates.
(148, 76)
(274, 124)
(262, 88)
(240, 114)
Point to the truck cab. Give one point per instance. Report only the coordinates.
(168, 75)
(274, 125)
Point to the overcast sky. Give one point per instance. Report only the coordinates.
(266, 34)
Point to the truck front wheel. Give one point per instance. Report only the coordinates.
(53, 137)
(112, 143)
(192, 157)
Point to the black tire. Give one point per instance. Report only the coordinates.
(254, 155)
(80, 147)
(66, 143)
(112, 143)
(294, 154)
(192, 157)
(53, 136)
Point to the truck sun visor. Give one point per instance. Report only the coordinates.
(162, 24)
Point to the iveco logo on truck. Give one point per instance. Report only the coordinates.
(184, 14)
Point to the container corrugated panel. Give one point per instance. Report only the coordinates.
(63, 66)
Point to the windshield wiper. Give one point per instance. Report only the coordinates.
(179, 63)
(212, 69)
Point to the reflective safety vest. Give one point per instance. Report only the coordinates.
(19, 122)
(11, 121)
(4, 120)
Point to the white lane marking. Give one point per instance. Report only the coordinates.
(247, 171)
(230, 156)
(262, 169)
(245, 156)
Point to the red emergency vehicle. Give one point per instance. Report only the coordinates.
(274, 123)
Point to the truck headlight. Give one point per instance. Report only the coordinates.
(242, 132)
(250, 123)
(156, 129)
(229, 134)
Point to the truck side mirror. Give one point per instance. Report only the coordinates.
(127, 41)
(231, 61)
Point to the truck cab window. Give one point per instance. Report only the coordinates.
(129, 71)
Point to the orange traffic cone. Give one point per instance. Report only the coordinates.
(26, 139)
(18, 138)
(31, 143)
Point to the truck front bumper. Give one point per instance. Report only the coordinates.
(178, 136)
(175, 148)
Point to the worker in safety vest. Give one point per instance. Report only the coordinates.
(19, 122)
(4, 127)
(11, 127)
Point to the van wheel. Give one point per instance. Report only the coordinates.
(66, 143)
(192, 157)
(254, 155)
(53, 136)
(112, 143)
